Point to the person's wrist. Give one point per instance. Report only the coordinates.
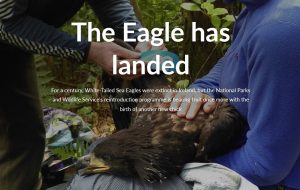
(91, 53)
(208, 94)
(94, 52)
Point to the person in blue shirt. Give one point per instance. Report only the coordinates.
(265, 59)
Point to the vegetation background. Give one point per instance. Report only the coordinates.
(61, 73)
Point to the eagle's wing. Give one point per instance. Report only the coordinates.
(221, 132)
(149, 105)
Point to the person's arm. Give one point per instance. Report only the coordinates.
(19, 29)
(272, 147)
(211, 80)
(114, 13)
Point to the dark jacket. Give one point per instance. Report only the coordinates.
(32, 24)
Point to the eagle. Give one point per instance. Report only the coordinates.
(156, 144)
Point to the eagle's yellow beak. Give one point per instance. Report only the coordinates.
(96, 165)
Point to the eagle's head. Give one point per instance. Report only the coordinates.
(108, 157)
(131, 152)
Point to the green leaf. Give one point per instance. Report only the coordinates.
(190, 6)
(91, 79)
(226, 24)
(229, 18)
(39, 58)
(208, 7)
(43, 73)
(45, 80)
(210, 1)
(219, 11)
(85, 110)
(198, 1)
(182, 84)
(225, 47)
(216, 21)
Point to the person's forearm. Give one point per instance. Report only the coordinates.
(114, 13)
(272, 148)
(19, 29)
(210, 81)
(37, 37)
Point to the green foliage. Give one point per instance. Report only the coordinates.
(87, 112)
(156, 12)
(207, 14)
(182, 84)
(190, 7)
(209, 7)
(60, 73)
(45, 77)
(76, 149)
(197, 1)
(215, 21)
(220, 17)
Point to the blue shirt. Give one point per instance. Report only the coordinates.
(265, 58)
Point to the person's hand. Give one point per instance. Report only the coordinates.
(102, 54)
(145, 46)
(185, 105)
